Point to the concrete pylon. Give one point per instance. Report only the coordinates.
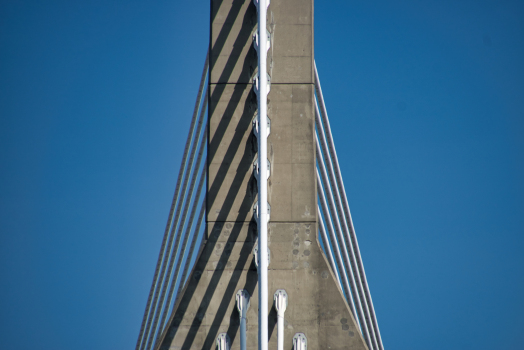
(316, 305)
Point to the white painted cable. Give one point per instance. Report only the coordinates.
(299, 341)
(327, 247)
(180, 260)
(338, 256)
(187, 264)
(281, 299)
(340, 183)
(243, 301)
(187, 261)
(163, 281)
(340, 213)
(174, 253)
(168, 232)
(331, 203)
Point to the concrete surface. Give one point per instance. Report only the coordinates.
(316, 307)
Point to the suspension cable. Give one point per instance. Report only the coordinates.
(340, 215)
(327, 247)
(163, 247)
(191, 249)
(331, 203)
(176, 273)
(338, 256)
(325, 121)
(180, 226)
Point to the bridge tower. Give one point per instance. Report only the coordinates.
(313, 297)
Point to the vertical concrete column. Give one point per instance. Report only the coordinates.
(291, 151)
(317, 309)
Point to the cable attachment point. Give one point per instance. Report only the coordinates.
(255, 125)
(223, 342)
(257, 258)
(255, 41)
(256, 169)
(299, 341)
(255, 84)
(243, 301)
(280, 298)
(256, 213)
(256, 3)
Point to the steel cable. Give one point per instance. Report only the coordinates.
(180, 226)
(180, 202)
(364, 321)
(325, 122)
(338, 256)
(176, 272)
(187, 263)
(327, 247)
(191, 249)
(340, 214)
(173, 203)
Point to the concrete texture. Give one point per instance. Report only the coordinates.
(233, 58)
(316, 306)
(292, 45)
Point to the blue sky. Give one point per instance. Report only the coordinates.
(426, 104)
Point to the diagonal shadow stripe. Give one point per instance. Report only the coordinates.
(182, 306)
(249, 286)
(208, 295)
(229, 294)
(242, 39)
(231, 19)
(245, 251)
(244, 124)
(215, 7)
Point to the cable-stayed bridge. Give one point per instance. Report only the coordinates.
(262, 145)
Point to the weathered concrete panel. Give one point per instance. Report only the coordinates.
(291, 12)
(233, 58)
(292, 51)
(291, 58)
(291, 149)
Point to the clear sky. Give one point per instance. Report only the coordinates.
(426, 101)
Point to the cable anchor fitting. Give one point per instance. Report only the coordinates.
(256, 169)
(256, 213)
(257, 258)
(243, 301)
(256, 3)
(255, 125)
(256, 44)
(256, 85)
(299, 341)
(223, 342)
(280, 298)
